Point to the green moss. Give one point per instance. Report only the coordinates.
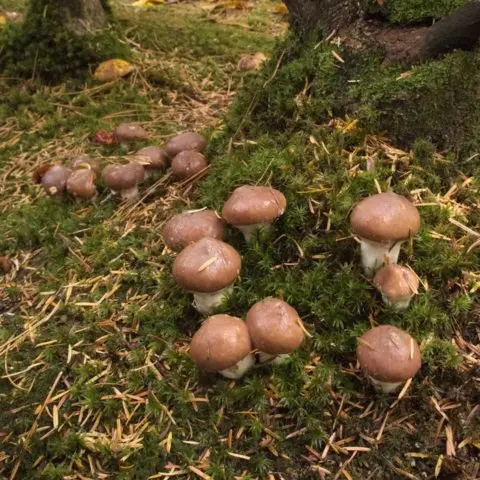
(44, 47)
(414, 11)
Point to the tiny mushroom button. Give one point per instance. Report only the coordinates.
(222, 344)
(389, 356)
(275, 329)
(188, 227)
(251, 208)
(208, 269)
(381, 224)
(397, 284)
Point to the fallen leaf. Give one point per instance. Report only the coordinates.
(105, 137)
(251, 62)
(113, 69)
(280, 9)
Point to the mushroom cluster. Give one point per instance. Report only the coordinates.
(230, 346)
(182, 153)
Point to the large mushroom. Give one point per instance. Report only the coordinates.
(275, 329)
(185, 141)
(81, 184)
(124, 179)
(222, 344)
(389, 356)
(152, 159)
(381, 223)
(397, 284)
(207, 268)
(190, 226)
(251, 208)
(187, 164)
(128, 133)
(53, 178)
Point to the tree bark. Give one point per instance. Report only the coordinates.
(460, 30)
(84, 16)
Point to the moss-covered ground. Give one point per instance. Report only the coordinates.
(96, 381)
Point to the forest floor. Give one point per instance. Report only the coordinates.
(96, 381)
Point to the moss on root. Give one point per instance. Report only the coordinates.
(436, 101)
(413, 11)
(44, 47)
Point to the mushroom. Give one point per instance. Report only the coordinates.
(397, 284)
(85, 161)
(381, 223)
(251, 62)
(275, 329)
(187, 164)
(53, 178)
(222, 344)
(188, 227)
(126, 132)
(207, 268)
(389, 356)
(5, 265)
(185, 141)
(124, 179)
(81, 184)
(251, 208)
(152, 159)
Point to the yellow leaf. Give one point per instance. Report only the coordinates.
(3, 20)
(113, 69)
(147, 3)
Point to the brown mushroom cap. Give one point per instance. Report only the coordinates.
(249, 205)
(85, 161)
(153, 158)
(207, 266)
(81, 183)
(123, 177)
(127, 132)
(385, 217)
(220, 343)
(187, 164)
(185, 141)
(189, 227)
(388, 354)
(54, 180)
(274, 326)
(396, 282)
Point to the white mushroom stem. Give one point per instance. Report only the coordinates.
(207, 303)
(129, 193)
(240, 368)
(400, 304)
(375, 254)
(275, 359)
(249, 230)
(386, 387)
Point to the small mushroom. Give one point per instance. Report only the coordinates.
(275, 329)
(381, 224)
(222, 344)
(252, 208)
(152, 159)
(189, 227)
(85, 161)
(124, 179)
(81, 184)
(397, 284)
(5, 265)
(127, 132)
(207, 268)
(389, 356)
(187, 164)
(53, 178)
(185, 141)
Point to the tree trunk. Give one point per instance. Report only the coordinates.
(84, 16)
(460, 30)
